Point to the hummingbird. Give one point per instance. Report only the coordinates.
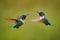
(19, 21)
(42, 19)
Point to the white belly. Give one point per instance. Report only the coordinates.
(22, 20)
(41, 17)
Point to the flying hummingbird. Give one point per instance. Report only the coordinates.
(19, 21)
(42, 19)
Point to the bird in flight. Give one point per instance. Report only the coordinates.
(41, 19)
(19, 21)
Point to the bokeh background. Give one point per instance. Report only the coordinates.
(30, 31)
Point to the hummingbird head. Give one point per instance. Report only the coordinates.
(23, 16)
(41, 14)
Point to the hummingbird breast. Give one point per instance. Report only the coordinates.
(22, 20)
(42, 17)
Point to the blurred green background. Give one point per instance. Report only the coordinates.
(30, 31)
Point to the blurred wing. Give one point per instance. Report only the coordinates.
(35, 20)
(11, 20)
(38, 20)
(18, 18)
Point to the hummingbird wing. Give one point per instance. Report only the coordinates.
(12, 20)
(18, 18)
(35, 20)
